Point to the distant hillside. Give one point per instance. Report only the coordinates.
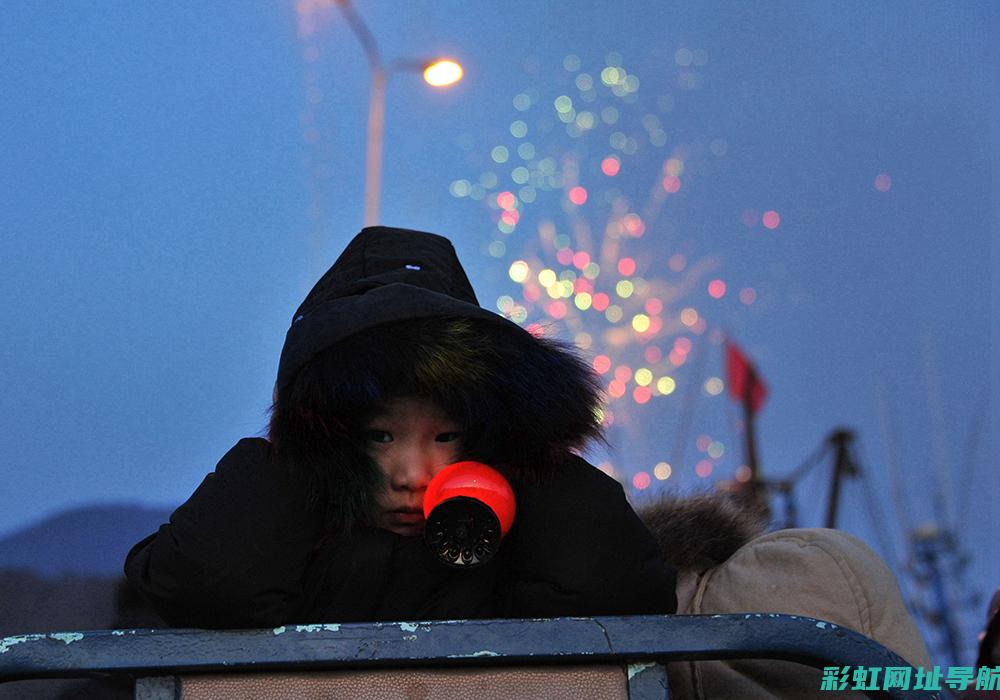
(87, 541)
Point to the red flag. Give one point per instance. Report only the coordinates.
(743, 378)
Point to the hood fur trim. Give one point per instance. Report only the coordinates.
(701, 531)
(524, 404)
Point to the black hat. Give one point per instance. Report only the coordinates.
(384, 275)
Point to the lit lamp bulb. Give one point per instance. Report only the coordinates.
(469, 508)
(442, 73)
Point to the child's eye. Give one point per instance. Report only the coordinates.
(378, 436)
(448, 437)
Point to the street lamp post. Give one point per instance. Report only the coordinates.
(373, 145)
(437, 72)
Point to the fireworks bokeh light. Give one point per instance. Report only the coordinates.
(581, 191)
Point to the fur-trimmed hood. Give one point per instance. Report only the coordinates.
(700, 531)
(396, 316)
(727, 564)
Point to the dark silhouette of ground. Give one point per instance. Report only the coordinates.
(64, 574)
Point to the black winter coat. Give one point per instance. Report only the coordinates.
(250, 549)
(244, 552)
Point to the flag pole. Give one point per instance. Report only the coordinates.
(749, 390)
(755, 485)
(748, 418)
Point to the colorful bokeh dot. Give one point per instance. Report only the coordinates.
(610, 166)
(716, 289)
(602, 363)
(641, 481)
(662, 471)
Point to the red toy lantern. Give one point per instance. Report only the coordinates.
(469, 507)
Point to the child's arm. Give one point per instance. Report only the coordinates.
(234, 554)
(577, 548)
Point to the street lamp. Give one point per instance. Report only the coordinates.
(438, 72)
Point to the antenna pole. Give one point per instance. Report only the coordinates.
(929, 545)
(844, 465)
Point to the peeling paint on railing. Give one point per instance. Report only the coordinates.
(636, 669)
(7, 642)
(333, 627)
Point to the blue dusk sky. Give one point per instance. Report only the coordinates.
(811, 180)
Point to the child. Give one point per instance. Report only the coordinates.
(390, 371)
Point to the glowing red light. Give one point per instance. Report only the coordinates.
(610, 166)
(703, 469)
(716, 289)
(581, 285)
(616, 389)
(602, 363)
(600, 301)
(557, 310)
(771, 219)
(703, 443)
(511, 217)
(655, 325)
(506, 200)
(578, 195)
(682, 345)
(473, 480)
(671, 183)
(653, 306)
(536, 329)
(532, 293)
(581, 259)
(626, 266)
(641, 481)
(677, 358)
(564, 256)
(652, 354)
(642, 394)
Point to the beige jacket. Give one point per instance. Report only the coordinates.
(819, 573)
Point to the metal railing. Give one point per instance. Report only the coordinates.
(643, 643)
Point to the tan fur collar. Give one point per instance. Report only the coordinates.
(701, 531)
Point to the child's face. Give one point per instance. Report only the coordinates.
(411, 440)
